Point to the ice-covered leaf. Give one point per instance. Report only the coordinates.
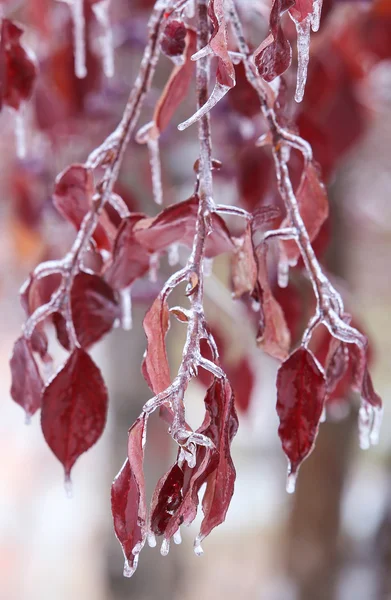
(274, 54)
(94, 308)
(18, 65)
(74, 407)
(176, 224)
(130, 259)
(166, 499)
(221, 430)
(72, 197)
(27, 384)
(301, 390)
(128, 503)
(273, 333)
(243, 265)
(173, 41)
(155, 367)
(314, 209)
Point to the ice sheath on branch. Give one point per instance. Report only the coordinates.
(87, 292)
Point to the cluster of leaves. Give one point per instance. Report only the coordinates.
(87, 293)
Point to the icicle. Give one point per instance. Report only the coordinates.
(153, 267)
(151, 539)
(165, 547)
(303, 30)
(101, 11)
(323, 415)
(283, 269)
(68, 487)
(365, 423)
(79, 44)
(173, 255)
(128, 570)
(126, 309)
(218, 93)
(156, 171)
(20, 134)
(316, 12)
(27, 419)
(177, 537)
(197, 546)
(208, 267)
(291, 481)
(189, 9)
(376, 425)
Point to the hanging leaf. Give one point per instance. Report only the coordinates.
(176, 224)
(18, 67)
(301, 390)
(27, 384)
(274, 55)
(167, 497)
(221, 430)
(94, 308)
(72, 197)
(130, 259)
(128, 503)
(155, 367)
(314, 209)
(74, 407)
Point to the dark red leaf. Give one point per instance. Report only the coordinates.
(74, 407)
(166, 499)
(130, 259)
(301, 390)
(221, 430)
(18, 67)
(128, 499)
(273, 56)
(72, 197)
(27, 384)
(155, 366)
(176, 224)
(173, 40)
(94, 308)
(314, 209)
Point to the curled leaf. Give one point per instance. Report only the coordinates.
(27, 384)
(155, 368)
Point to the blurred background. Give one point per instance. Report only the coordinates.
(331, 540)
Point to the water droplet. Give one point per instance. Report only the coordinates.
(151, 539)
(197, 547)
(68, 487)
(291, 482)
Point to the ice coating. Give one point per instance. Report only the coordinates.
(303, 30)
(316, 13)
(126, 309)
(20, 134)
(291, 481)
(154, 161)
(101, 11)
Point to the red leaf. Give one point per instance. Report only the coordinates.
(166, 499)
(221, 430)
(301, 9)
(74, 407)
(155, 366)
(314, 209)
(301, 390)
(218, 44)
(72, 197)
(176, 87)
(243, 265)
(173, 40)
(273, 333)
(18, 67)
(176, 224)
(27, 384)
(274, 55)
(130, 259)
(128, 499)
(94, 308)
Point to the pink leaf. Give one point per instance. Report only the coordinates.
(274, 55)
(94, 308)
(218, 44)
(301, 390)
(128, 499)
(27, 384)
(155, 366)
(301, 9)
(74, 407)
